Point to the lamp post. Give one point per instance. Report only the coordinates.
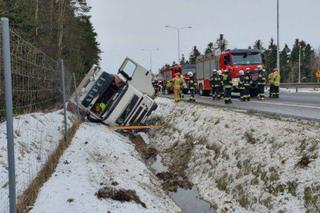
(299, 74)
(150, 55)
(278, 35)
(178, 31)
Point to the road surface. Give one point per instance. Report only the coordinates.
(299, 105)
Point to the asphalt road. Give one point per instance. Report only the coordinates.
(298, 105)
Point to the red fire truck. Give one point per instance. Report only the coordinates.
(233, 60)
(169, 72)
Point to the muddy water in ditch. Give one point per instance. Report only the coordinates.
(180, 189)
(188, 199)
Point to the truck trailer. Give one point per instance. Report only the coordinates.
(121, 99)
(232, 60)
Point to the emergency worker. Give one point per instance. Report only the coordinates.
(181, 89)
(177, 84)
(221, 83)
(261, 83)
(276, 82)
(271, 84)
(247, 85)
(227, 85)
(241, 86)
(192, 84)
(168, 86)
(216, 84)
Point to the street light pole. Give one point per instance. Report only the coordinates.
(178, 32)
(278, 35)
(150, 55)
(299, 75)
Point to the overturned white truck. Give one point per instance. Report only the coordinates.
(122, 99)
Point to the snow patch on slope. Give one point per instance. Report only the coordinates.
(36, 136)
(243, 162)
(98, 158)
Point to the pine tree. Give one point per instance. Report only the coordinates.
(271, 56)
(209, 49)
(183, 60)
(193, 55)
(258, 45)
(222, 43)
(285, 63)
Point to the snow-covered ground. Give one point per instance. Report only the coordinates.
(242, 162)
(36, 137)
(101, 159)
(302, 90)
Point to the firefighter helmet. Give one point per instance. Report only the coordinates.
(219, 72)
(190, 74)
(241, 72)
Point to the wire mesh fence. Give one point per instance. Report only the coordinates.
(37, 105)
(35, 78)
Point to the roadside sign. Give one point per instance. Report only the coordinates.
(318, 74)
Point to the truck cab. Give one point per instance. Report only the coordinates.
(125, 98)
(242, 59)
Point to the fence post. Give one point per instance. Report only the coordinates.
(63, 87)
(75, 92)
(9, 111)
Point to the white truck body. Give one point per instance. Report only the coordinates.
(127, 96)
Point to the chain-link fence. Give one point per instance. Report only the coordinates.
(38, 122)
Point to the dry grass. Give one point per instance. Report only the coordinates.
(29, 196)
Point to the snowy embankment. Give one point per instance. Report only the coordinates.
(242, 162)
(102, 172)
(36, 136)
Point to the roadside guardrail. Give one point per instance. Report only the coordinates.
(297, 86)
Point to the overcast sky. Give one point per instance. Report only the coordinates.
(125, 27)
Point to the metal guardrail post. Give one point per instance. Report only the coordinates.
(63, 87)
(9, 111)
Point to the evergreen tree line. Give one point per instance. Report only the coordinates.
(60, 28)
(289, 58)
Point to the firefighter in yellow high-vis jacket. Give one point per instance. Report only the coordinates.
(177, 83)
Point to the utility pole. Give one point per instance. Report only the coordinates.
(178, 32)
(150, 55)
(278, 36)
(299, 75)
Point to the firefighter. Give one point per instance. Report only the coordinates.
(271, 85)
(276, 82)
(177, 84)
(221, 90)
(168, 87)
(241, 86)
(192, 84)
(227, 85)
(261, 83)
(247, 85)
(181, 89)
(216, 85)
